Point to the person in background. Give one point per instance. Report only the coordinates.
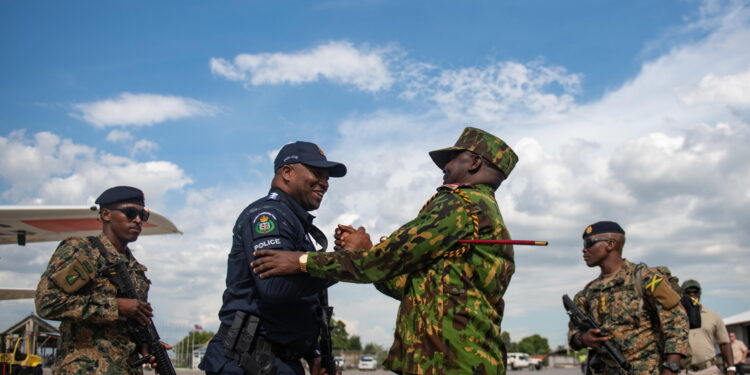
(739, 353)
(635, 306)
(703, 340)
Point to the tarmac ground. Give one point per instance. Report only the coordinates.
(545, 371)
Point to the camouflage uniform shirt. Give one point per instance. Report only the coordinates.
(643, 328)
(451, 307)
(93, 340)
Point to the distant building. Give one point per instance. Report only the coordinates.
(44, 336)
(561, 358)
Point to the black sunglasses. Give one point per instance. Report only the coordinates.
(131, 212)
(588, 242)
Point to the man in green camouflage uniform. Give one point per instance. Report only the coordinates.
(450, 293)
(635, 306)
(94, 340)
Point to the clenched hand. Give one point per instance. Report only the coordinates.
(135, 309)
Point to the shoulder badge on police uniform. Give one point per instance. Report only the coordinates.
(265, 224)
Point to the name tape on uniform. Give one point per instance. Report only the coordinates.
(266, 243)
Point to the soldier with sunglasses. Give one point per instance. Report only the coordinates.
(635, 306)
(94, 338)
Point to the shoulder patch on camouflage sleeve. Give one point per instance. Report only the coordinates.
(658, 287)
(75, 275)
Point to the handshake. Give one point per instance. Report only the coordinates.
(269, 263)
(348, 238)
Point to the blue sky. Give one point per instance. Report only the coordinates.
(633, 111)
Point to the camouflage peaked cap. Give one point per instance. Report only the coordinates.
(483, 144)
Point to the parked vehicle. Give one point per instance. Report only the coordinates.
(518, 361)
(16, 356)
(340, 362)
(536, 363)
(367, 363)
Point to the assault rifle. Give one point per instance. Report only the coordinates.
(120, 276)
(584, 323)
(326, 345)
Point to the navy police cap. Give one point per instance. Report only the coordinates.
(121, 194)
(602, 227)
(308, 154)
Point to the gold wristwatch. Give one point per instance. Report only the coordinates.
(303, 262)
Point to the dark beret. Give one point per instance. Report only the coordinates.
(121, 194)
(602, 227)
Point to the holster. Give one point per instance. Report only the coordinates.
(244, 345)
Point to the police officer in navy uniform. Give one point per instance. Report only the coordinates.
(279, 315)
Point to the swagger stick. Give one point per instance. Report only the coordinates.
(506, 242)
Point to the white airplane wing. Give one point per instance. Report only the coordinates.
(6, 294)
(21, 224)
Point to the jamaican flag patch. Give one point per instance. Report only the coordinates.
(74, 275)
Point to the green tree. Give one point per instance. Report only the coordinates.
(339, 336)
(196, 338)
(372, 348)
(509, 345)
(354, 343)
(533, 344)
(378, 351)
(184, 348)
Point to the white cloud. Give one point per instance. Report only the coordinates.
(119, 136)
(47, 169)
(143, 146)
(338, 62)
(732, 90)
(498, 91)
(140, 110)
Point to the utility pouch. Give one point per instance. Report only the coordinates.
(230, 340)
(247, 336)
(260, 361)
(253, 353)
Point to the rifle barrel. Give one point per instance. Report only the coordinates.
(506, 242)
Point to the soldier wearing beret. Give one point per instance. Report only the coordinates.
(636, 307)
(94, 338)
(279, 316)
(451, 293)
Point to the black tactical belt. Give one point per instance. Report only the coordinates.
(278, 350)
